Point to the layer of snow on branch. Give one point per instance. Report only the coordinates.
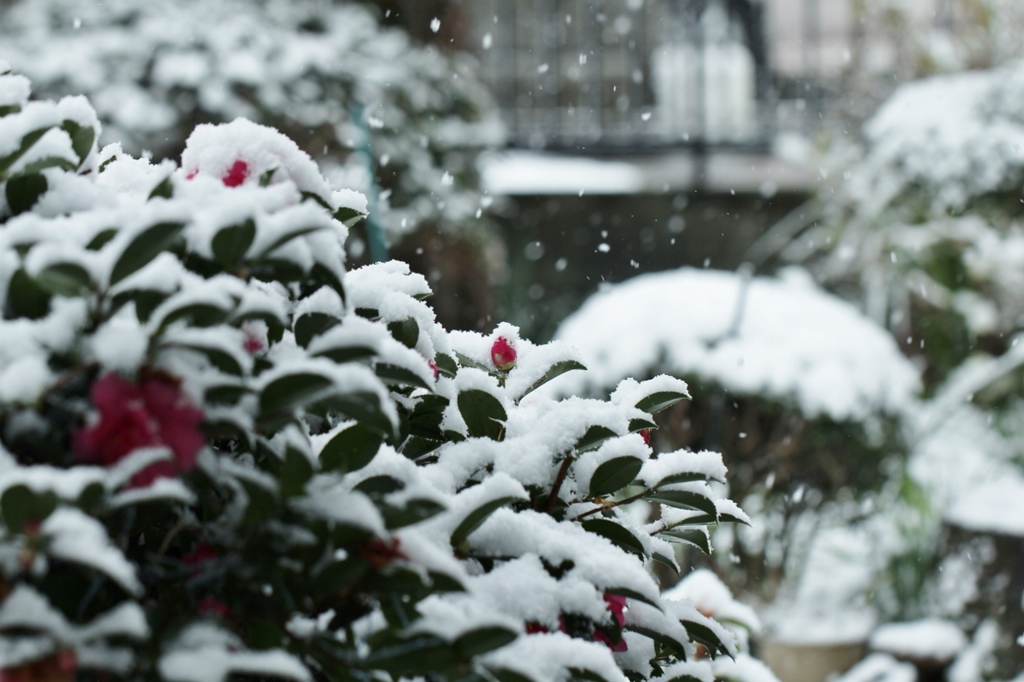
(792, 341)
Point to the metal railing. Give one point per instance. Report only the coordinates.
(611, 75)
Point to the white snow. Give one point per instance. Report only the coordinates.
(773, 337)
(996, 507)
(880, 668)
(932, 639)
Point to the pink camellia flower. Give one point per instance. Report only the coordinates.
(617, 605)
(237, 174)
(152, 413)
(210, 606)
(503, 355)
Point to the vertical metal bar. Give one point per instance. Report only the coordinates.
(552, 80)
(513, 60)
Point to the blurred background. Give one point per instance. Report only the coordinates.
(808, 209)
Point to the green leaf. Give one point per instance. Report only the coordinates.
(632, 594)
(311, 325)
(678, 647)
(267, 176)
(681, 477)
(145, 300)
(475, 518)
(47, 162)
(426, 417)
(197, 314)
(285, 394)
(380, 485)
(446, 364)
(343, 354)
(231, 243)
(618, 535)
(641, 424)
(225, 394)
(82, 138)
(286, 237)
(467, 361)
(406, 332)
(348, 216)
(164, 189)
(25, 298)
(20, 505)
(296, 470)
(350, 449)
(218, 357)
(413, 656)
(101, 239)
(414, 511)
(666, 560)
(656, 402)
(556, 370)
(481, 641)
(363, 407)
(339, 576)
(484, 415)
(683, 499)
(143, 248)
(65, 279)
(393, 375)
(593, 438)
(704, 635)
(613, 475)
(23, 191)
(26, 143)
(698, 537)
(506, 675)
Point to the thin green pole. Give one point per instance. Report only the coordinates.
(374, 233)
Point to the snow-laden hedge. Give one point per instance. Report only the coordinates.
(222, 454)
(325, 73)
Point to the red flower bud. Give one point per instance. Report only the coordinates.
(433, 366)
(503, 355)
(535, 628)
(380, 553)
(237, 174)
(646, 435)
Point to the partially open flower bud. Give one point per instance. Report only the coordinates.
(503, 355)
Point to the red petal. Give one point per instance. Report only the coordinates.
(237, 174)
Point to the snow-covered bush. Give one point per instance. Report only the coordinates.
(805, 397)
(924, 225)
(222, 455)
(400, 122)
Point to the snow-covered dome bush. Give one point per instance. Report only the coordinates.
(803, 394)
(224, 455)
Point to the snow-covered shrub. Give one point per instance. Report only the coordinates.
(804, 396)
(924, 224)
(400, 122)
(224, 456)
